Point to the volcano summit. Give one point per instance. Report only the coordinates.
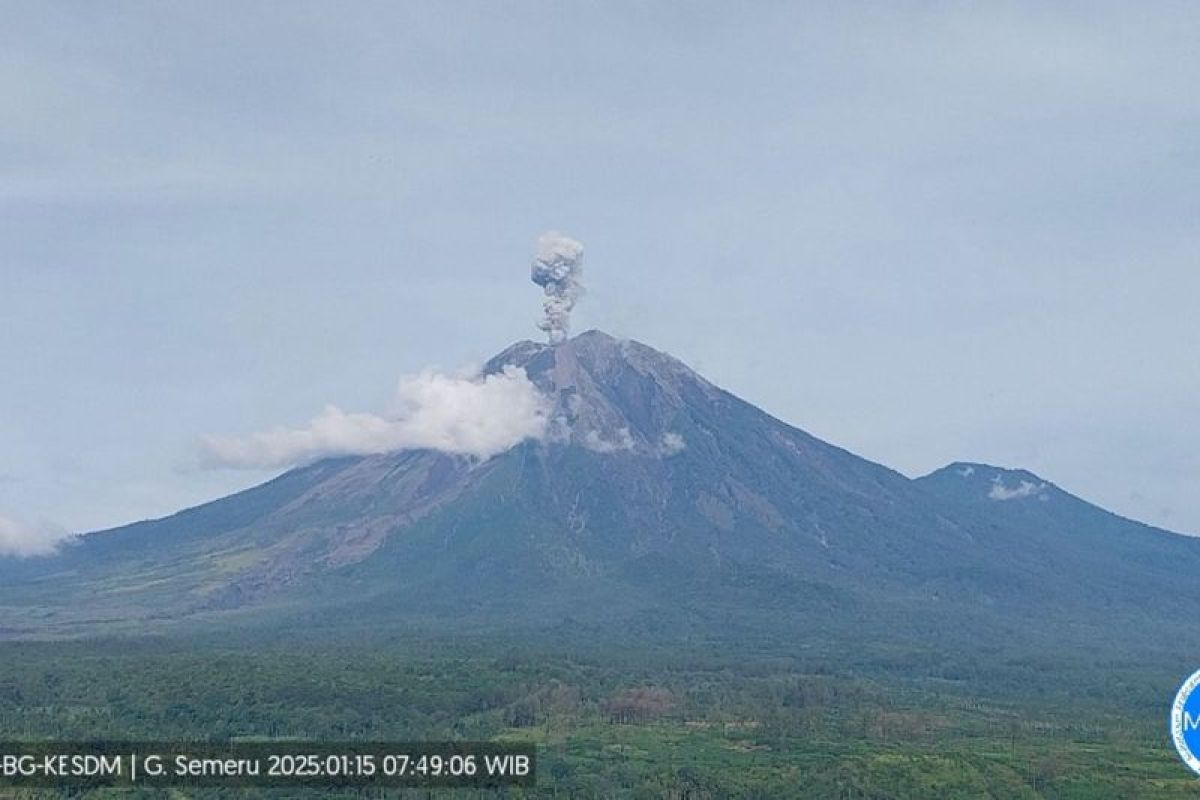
(651, 499)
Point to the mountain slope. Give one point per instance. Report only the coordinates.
(654, 496)
(1082, 548)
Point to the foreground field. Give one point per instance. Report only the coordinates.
(633, 721)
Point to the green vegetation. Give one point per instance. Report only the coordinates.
(637, 719)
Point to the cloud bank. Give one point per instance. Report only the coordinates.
(475, 416)
(23, 539)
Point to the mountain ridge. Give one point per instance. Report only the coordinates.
(653, 492)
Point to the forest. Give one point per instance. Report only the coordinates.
(628, 717)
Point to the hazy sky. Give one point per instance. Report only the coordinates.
(925, 232)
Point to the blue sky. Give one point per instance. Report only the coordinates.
(926, 232)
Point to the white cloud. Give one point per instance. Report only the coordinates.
(19, 538)
(1024, 489)
(475, 416)
(623, 441)
(595, 442)
(671, 444)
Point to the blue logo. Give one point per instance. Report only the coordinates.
(1185, 722)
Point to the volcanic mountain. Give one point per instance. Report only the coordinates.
(655, 499)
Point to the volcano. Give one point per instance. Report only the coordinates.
(656, 500)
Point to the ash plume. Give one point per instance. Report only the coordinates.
(557, 268)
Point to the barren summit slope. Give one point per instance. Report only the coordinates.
(654, 495)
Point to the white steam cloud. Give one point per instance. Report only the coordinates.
(671, 444)
(623, 440)
(475, 416)
(19, 538)
(558, 269)
(1023, 489)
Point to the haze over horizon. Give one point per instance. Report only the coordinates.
(924, 235)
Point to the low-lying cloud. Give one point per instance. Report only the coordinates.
(671, 444)
(478, 416)
(1023, 489)
(622, 440)
(18, 538)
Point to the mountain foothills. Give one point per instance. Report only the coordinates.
(655, 503)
